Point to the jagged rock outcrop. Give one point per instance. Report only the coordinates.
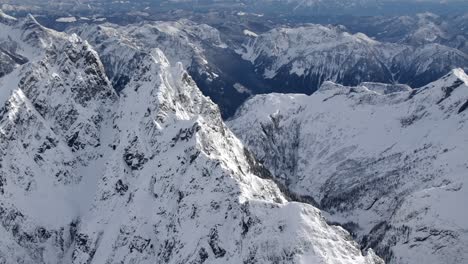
(148, 175)
(181, 41)
(197, 46)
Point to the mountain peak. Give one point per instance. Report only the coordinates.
(461, 75)
(449, 82)
(6, 19)
(37, 35)
(152, 175)
(30, 19)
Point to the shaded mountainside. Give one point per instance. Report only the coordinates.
(300, 59)
(387, 162)
(147, 175)
(423, 28)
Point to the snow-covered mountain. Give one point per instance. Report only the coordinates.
(302, 58)
(281, 60)
(323, 4)
(424, 28)
(387, 162)
(196, 45)
(182, 41)
(147, 175)
(327, 7)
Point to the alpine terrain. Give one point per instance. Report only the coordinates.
(302, 58)
(229, 68)
(385, 161)
(144, 170)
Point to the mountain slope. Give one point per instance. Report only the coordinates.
(148, 175)
(198, 46)
(387, 163)
(182, 41)
(300, 59)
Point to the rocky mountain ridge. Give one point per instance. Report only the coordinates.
(386, 163)
(145, 174)
(301, 58)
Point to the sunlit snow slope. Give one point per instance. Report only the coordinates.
(149, 175)
(386, 161)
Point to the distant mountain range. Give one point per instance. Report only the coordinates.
(283, 7)
(229, 65)
(302, 58)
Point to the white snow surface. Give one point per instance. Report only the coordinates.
(303, 47)
(336, 55)
(149, 175)
(250, 33)
(181, 41)
(392, 167)
(66, 19)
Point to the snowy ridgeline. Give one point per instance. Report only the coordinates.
(120, 47)
(317, 53)
(149, 175)
(387, 162)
